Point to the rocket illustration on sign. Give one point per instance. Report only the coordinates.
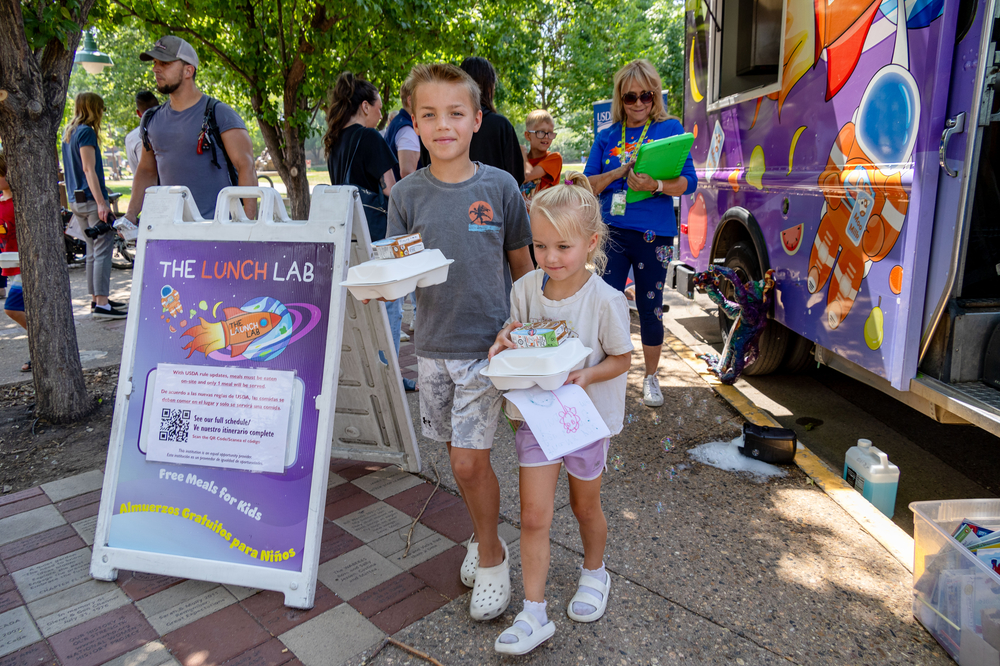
(236, 333)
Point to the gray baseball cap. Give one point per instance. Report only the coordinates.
(170, 48)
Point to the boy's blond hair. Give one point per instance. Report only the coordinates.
(441, 73)
(533, 119)
(645, 74)
(575, 212)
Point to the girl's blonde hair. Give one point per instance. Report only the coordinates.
(643, 72)
(87, 110)
(575, 212)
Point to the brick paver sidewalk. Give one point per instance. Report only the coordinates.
(52, 612)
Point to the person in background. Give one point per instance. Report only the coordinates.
(13, 306)
(88, 197)
(357, 155)
(541, 167)
(144, 101)
(405, 145)
(182, 146)
(392, 116)
(642, 232)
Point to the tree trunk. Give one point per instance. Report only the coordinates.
(32, 98)
(289, 155)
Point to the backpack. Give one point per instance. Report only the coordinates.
(210, 136)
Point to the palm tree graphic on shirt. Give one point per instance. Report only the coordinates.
(481, 214)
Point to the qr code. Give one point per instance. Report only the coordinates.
(174, 425)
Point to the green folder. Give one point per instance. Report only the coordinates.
(662, 159)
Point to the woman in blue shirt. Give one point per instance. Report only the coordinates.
(642, 232)
(84, 172)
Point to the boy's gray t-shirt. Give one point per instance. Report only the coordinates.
(174, 138)
(476, 223)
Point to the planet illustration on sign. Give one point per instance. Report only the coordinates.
(875, 326)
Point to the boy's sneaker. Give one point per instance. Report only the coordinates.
(110, 313)
(117, 305)
(651, 396)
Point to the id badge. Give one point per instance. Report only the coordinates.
(618, 203)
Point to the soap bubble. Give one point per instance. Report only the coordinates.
(617, 463)
(659, 285)
(641, 265)
(666, 264)
(642, 466)
(649, 236)
(658, 312)
(659, 476)
(650, 295)
(631, 418)
(668, 443)
(659, 507)
(688, 400)
(718, 419)
(656, 419)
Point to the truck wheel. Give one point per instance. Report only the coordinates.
(773, 342)
(799, 355)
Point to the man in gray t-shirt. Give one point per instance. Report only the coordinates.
(175, 132)
(476, 223)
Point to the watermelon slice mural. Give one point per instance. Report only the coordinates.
(791, 239)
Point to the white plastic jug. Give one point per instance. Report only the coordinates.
(868, 469)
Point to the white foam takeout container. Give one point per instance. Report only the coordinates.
(548, 367)
(394, 278)
(9, 260)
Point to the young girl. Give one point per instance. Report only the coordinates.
(568, 234)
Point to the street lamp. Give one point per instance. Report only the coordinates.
(90, 58)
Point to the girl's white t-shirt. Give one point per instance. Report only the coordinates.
(598, 315)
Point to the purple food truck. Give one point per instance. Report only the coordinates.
(854, 147)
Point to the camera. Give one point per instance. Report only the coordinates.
(98, 229)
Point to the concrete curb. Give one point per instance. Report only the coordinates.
(891, 536)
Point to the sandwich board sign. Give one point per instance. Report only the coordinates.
(227, 405)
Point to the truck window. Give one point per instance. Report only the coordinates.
(748, 47)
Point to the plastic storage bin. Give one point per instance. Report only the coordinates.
(955, 596)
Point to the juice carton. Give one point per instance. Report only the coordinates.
(397, 247)
(540, 334)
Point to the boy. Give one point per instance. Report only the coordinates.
(541, 168)
(474, 214)
(14, 303)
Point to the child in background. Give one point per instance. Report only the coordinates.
(474, 214)
(14, 303)
(541, 167)
(568, 234)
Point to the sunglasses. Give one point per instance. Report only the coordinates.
(630, 98)
(542, 134)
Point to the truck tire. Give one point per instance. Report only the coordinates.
(799, 355)
(773, 342)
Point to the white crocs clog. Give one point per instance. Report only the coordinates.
(471, 561)
(491, 591)
(587, 598)
(525, 643)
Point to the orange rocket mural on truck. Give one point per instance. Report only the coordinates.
(237, 332)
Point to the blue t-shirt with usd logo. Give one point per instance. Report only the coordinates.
(174, 138)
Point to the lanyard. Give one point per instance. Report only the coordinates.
(641, 136)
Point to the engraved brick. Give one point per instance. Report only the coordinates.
(442, 572)
(271, 653)
(139, 585)
(20, 495)
(348, 505)
(103, 638)
(216, 638)
(150, 654)
(82, 612)
(332, 638)
(36, 654)
(387, 482)
(387, 594)
(36, 541)
(10, 600)
(53, 575)
(412, 501)
(87, 511)
(56, 549)
(453, 522)
(190, 610)
(86, 528)
(80, 500)
(374, 521)
(16, 631)
(282, 618)
(355, 572)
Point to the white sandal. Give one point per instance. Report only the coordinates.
(471, 561)
(525, 643)
(491, 591)
(589, 599)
